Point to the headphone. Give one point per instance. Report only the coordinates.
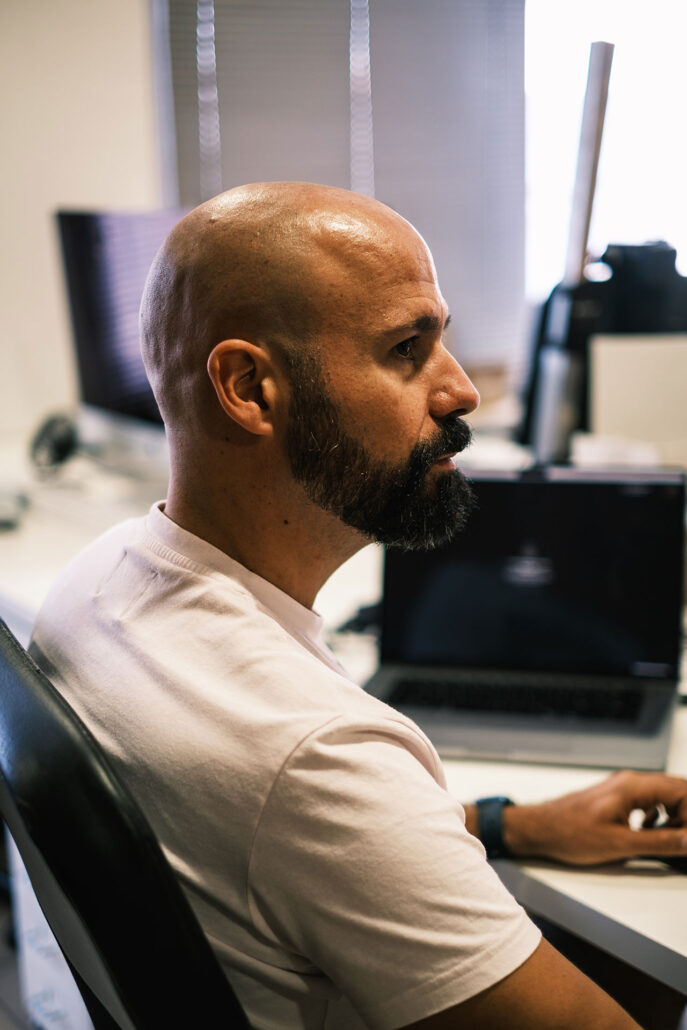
(54, 442)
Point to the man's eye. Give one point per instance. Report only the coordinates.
(406, 349)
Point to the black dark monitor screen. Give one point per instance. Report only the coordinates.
(583, 576)
(106, 258)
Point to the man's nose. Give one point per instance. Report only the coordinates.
(455, 393)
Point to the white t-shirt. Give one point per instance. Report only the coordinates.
(308, 822)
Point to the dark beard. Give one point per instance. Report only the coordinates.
(396, 504)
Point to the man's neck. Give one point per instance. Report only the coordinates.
(288, 541)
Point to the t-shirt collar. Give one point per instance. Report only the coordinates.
(301, 620)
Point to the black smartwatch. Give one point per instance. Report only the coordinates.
(490, 825)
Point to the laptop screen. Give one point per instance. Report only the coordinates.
(560, 573)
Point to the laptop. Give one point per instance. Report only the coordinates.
(550, 629)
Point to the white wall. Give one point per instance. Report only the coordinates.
(77, 129)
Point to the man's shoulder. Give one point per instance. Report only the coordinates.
(94, 560)
(109, 541)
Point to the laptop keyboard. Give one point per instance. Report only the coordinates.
(617, 703)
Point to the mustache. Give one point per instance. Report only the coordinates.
(454, 435)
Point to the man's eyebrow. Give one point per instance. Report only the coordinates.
(423, 324)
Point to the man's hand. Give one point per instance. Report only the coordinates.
(592, 826)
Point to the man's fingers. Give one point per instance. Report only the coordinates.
(657, 842)
(646, 790)
(651, 817)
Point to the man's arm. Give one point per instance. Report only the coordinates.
(587, 827)
(545, 993)
(592, 826)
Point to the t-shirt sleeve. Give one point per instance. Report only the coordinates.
(362, 864)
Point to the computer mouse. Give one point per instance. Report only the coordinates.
(676, 862)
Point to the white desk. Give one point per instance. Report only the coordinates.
(638, 914)
(64, 513)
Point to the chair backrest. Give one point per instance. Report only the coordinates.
(109, 894)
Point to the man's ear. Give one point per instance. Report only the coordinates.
(243, 378)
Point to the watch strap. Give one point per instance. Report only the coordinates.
(490, 825)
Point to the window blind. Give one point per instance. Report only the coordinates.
(446, 106)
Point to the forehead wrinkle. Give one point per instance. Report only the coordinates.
(427, 323)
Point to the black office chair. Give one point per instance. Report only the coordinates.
(139, 957)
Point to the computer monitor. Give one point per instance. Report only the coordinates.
(106, 258)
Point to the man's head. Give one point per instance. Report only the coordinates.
(299, 323)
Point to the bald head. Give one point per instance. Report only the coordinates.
(271, 263)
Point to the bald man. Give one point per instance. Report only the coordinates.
(293, 337)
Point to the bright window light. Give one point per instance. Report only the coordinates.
(641, 191)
